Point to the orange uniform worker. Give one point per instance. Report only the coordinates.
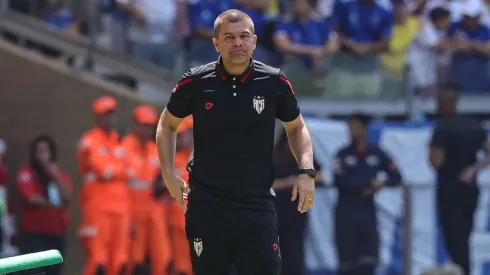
(150, 231)
(181, 252)
(105, 198)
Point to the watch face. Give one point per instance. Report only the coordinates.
(312, 173)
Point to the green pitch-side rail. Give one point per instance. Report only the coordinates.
(30, 261)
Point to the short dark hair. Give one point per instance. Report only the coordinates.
(232, 16)
(362, 118)
(439, 13)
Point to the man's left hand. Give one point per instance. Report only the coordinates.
(304, 188)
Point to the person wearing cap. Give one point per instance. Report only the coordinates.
(181, 253)
(358, 174)
(104, 199)
(470, 43)
(150, 232)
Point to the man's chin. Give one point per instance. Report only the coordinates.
(239, 59)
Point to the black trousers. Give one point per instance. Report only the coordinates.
(220, 236)
(292, 227)
(32, 243)
(357, 240)
(456, 217)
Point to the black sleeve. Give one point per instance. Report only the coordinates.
(438, 140)
(179, 103)
(287, 109)
(389, 166)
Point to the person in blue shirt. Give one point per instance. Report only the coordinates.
(304, 35)
(360, 170)
(257, 10)
(54, 15)
(58, 17)
(119, 26)
(364, 28)
(201, 16)
(470, 41)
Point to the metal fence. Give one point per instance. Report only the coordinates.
(409, 204)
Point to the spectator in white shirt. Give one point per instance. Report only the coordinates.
(423, 56)
(152, 32)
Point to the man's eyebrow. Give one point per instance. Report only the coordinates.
(243, 32)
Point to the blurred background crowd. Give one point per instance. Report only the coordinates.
(383, 46)
(382, 57)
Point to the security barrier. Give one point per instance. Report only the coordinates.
(30, 261)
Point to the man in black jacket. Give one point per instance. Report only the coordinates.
(455, 144)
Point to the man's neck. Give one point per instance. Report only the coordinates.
(236, 69)
(362, 146)
(303, 18)
(104, 130)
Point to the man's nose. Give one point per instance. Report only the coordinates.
(237, 42)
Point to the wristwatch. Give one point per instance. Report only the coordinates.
(310, 172)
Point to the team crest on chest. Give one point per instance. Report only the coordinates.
(259, 103)
(198, 246)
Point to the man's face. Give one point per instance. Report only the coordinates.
(446, 101)
(301, 7)
(43, 152)
(107, 121)
(443, 23)
(356, 129)
(400, 11)
(144, 131)
(471, 22)
(236, 43)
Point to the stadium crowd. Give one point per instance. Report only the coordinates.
(373, 44)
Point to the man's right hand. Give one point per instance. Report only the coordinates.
(375, 186)
(179, 190)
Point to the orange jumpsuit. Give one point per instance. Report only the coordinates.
(150, 231)
(104, 202)
(181, 251)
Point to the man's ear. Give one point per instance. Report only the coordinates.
(255, 41)
(215, 43)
